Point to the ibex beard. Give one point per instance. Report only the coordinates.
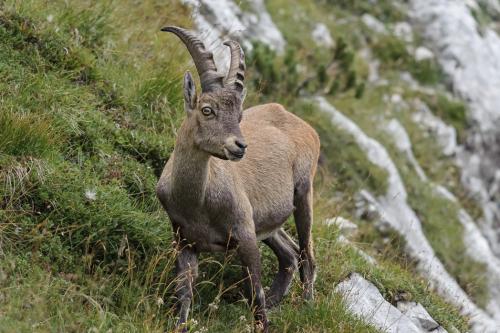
(234, 178)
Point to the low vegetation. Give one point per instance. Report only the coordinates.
(90, 107)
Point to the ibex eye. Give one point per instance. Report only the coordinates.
(207, 111)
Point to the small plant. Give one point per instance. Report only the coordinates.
(391, 51)
(425, 71)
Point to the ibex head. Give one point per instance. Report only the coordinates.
(216, 113)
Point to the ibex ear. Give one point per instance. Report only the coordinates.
(189, 92)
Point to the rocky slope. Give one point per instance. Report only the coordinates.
(469, 56)
(403, 95)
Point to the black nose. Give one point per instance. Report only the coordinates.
(241, 144)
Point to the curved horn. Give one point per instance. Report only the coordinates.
(203, 59)
(236, 73)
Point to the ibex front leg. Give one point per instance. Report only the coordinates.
(186, 266)
(249, 254)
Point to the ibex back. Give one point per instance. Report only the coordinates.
(234, 178)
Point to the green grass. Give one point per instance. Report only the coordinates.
(90, 106)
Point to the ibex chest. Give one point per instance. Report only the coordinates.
(204, 233)
(206, 224)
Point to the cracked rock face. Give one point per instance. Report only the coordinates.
(218, 20)
(477, 246)
(446, 135)
(397, 214)
(419, 316)
(364, 299)
(470, 57)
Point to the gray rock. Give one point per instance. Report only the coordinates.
(395, 212)
(403, 144)
(346, 227)
(419, 316)
(470, 57)
(423, 53)
(373, 23)
(364, 300)
(404, 31)
(217, 20)
(446, 135)
(321, 35)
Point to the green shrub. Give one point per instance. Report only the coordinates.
(391, 51)
(425, 71)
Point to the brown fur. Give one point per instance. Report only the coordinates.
(215, 203)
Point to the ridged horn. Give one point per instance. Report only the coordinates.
(236, 73)
(210, 79)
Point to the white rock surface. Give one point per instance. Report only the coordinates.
(446, 135)
(404, 31)
(419, 316)
(219, 20)
(423, 53)
(346, 227)
(403, 143)
(479, 249)
(396, 213)
(373, 23)
(321, 35)
(476, 244)
(364, 300)
(470, 57)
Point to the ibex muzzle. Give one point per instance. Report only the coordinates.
(215, 204)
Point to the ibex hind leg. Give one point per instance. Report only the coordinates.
(303, 220)
(288, 254)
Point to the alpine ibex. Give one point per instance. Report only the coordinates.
(215, 204)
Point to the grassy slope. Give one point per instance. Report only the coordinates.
(89, 106)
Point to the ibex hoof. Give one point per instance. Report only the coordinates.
(308, 295)
(262, 327)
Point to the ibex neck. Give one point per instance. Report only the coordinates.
(189, 169)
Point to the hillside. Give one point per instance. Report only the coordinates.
(405, 198)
